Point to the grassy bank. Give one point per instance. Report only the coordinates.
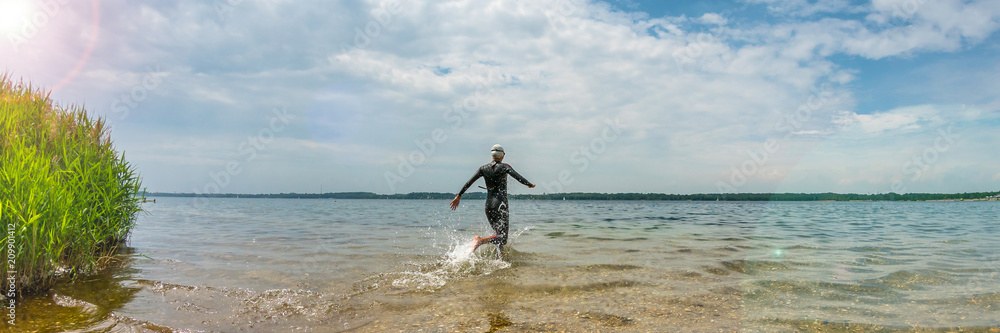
(67, 198)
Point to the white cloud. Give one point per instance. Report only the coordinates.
(692, 91)
(900, 119)
(808, 8)
(713, 18)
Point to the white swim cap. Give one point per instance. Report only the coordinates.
(497, 151)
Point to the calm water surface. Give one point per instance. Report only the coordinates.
(231, 265)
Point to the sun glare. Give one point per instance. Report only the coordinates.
(13, 14)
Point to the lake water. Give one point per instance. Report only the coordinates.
(274, 265)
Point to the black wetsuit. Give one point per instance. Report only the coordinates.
(495, 174)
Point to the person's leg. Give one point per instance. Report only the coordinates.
(500, 222)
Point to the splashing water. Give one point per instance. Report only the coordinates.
(461, 252)
(459, 261)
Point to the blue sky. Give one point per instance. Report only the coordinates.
(244, 96)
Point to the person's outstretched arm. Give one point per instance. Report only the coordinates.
(521, 179)
(455, 201)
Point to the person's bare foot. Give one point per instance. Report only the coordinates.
(482, 240)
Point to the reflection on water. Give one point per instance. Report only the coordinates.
(381, 265)
(88, 304)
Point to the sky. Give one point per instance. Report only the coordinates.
(245, 96)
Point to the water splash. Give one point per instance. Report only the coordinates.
(461, 251)
(518, 233)
(458, 261)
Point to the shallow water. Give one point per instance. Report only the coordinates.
(267, 265)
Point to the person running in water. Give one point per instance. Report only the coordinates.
(495, 173)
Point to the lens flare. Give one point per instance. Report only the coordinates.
(13, 15)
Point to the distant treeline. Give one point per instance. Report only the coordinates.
(616, 196)
(337, 195)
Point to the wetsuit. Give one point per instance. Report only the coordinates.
(495, 174)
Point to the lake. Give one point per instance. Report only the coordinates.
(279, 265)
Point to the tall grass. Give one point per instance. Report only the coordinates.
(71, 198)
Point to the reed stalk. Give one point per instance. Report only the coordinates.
(68, 196)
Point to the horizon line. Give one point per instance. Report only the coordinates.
(556, 193)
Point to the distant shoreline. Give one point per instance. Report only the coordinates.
(975, 196)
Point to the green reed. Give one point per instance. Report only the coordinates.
(70, 197)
